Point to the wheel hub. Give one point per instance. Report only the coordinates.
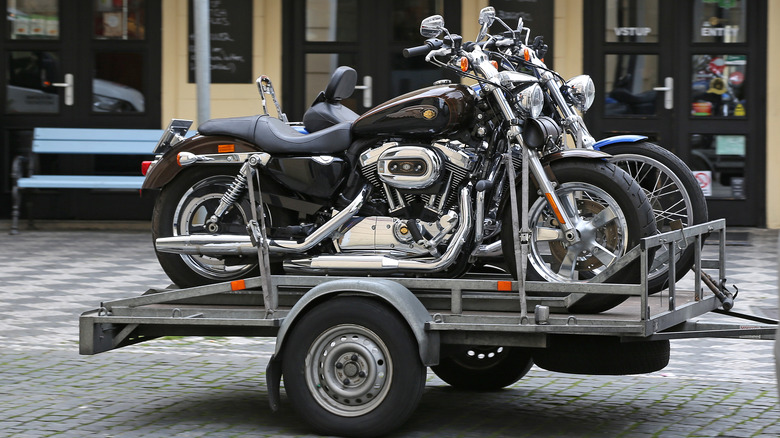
(351, 373)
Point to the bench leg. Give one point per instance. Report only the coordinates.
(17, 198)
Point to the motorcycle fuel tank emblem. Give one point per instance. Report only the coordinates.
(426, 112)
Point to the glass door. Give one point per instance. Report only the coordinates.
(367, 36)
(689, 75)
(89, 63)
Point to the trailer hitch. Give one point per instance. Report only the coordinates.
(721, 291)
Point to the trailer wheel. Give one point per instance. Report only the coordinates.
(484, 368)
(601, 355)
(351, 367)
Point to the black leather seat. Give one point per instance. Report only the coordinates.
(276, 137)
(327, 109)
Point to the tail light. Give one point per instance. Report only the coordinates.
(145, 167)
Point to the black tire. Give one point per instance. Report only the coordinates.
(477, 368)
(633, 220)
(359, 339)
(601, 355)
(195, 193)
(680, 198)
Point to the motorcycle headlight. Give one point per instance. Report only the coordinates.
(581, 92)
(530, 101)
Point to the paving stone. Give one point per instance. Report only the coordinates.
(216, 387)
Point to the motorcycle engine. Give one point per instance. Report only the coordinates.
(414, 176)
(419, 185)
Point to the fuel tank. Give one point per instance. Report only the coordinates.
(427, 112)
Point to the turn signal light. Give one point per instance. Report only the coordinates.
(145, 167)
(527, 54)
(464, 64)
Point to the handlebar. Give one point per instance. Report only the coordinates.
(429, 45)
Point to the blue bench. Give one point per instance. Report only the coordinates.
(79, 141)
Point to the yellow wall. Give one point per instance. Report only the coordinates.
(772, 118)
(227, 100)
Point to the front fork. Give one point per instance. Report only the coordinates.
(565, 222)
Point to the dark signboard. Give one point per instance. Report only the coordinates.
(231, 41)
(538, 15)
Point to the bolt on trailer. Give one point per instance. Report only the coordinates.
(353, 351)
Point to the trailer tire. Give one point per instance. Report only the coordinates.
(477, 368)
(601, 355)
(351, 368)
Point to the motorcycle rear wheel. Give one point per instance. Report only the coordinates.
(611, 214)
(183, 207)
(674, 194)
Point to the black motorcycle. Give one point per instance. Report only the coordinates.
(421, 185)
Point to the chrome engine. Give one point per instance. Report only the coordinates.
(418, 173)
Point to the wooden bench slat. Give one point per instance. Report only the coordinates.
(81, 182)
(103, 147)
(111, 135)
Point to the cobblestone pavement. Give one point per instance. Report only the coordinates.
(188, 387)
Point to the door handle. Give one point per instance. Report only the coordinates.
(367, 88)
(668, 90)
(68, 86)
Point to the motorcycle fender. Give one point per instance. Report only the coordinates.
(575, 153)
(618, 139)
(394, 294)
(166, 168)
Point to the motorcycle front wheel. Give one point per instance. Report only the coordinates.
(183, 208)
(611, 214)
(674, 194)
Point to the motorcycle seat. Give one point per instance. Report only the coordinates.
(327, 109)
(276, 137)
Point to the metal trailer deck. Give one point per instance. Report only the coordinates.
(480, 309)
(346, 379)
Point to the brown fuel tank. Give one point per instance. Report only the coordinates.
(427, 112)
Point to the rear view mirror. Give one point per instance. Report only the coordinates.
(432, 26)
(487, 16)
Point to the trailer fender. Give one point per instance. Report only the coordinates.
(398, 297)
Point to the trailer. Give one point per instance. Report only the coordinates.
(354, 351)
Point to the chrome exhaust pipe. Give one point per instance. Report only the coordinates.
(239, 245)
(384, 263)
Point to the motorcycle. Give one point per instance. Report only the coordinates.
(668, 182)
(415, 186)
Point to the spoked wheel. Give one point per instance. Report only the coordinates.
(610, 213)
(481, 368)
(674, 195)
(184, 207)
(351, 367)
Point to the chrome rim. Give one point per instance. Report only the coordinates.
(192, 212)
(667, 196)
(348, 370)
(599, 222)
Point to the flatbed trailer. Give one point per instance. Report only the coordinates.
(353, 350)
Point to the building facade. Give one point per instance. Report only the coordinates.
(693, 75)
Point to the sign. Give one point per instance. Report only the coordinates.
(738, 187)
(231, 41)
(704, 178)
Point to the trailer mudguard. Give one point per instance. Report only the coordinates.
(394, 294)
(618, 139)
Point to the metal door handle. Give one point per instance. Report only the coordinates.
(668, 90)
(68, 86)
(367, 88)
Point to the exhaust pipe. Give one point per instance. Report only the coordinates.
(383, 263)
(238, 245)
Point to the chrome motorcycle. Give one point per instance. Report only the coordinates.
(415, 186)
(667, 181)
